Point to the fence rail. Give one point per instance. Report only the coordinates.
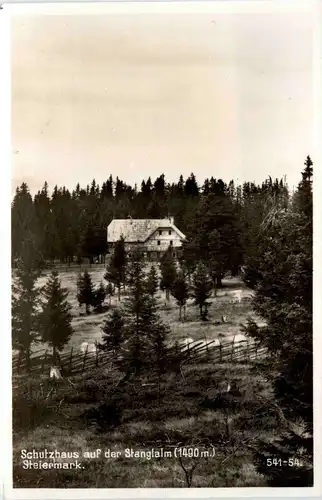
(72, 363)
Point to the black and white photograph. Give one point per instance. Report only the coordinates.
(162, 171)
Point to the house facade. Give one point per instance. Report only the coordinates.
(153, 236)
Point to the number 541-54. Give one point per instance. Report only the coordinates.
(279, 462)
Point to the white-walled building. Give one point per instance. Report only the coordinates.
(154, 236)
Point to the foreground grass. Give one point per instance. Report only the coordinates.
(74, 418)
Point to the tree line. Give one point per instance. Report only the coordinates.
(71, 225)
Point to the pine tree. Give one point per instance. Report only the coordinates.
(180, 292)
(62, 237)
(214, 235)
(145, 335)
(215, 259)
(191, 186)
(25, 302)
(284, 300)
(303, 196)
(85, 290)
(256, 207)
(99, 297)
(55, 317)
(116, 269)
(24, 230)
(201, 290)
(137, 312)
(157, 336)
(152, 285)
(43, 221)
(136, 274)
(113, 331)
(168, 272)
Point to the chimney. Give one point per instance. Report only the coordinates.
(171, 219)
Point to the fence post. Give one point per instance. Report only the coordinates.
(29, 388)
(18, 361)
(43, 362)
(71, 360)
(248, 354)
(84, 360)
(60, 363)
(232, 350)
(207, 348)
(176, 349)
(96, 359)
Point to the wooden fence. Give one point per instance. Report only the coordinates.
(241, 351)
(70, 363)
(74, 362)
(75, 268)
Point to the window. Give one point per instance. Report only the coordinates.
(160, 233)
(170, 232)
(173, 255)
(159, 243)
(171, 242)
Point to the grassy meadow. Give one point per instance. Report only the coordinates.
(91, 411)
(87, 327)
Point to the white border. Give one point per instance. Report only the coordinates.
(5, 250)
(5, 293)
(159, 7)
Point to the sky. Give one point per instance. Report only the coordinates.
(222, 95)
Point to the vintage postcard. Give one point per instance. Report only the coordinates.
(162, 170)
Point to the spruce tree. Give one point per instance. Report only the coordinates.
(116, 269)
(157, 341)
(62, 237)
(215, 259)
(43, 221)
(136, 310)
(152, 284)
(214, 235)
(24, 224)
(99, 297)
(191, 187)
(255, 208)
(284, 300)
(180, 292)
(168, 272)
(303, 196)
(85, 291)
(25, 302)
(55, 317)
(201, 289)
(145, 334)
(113, 332)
